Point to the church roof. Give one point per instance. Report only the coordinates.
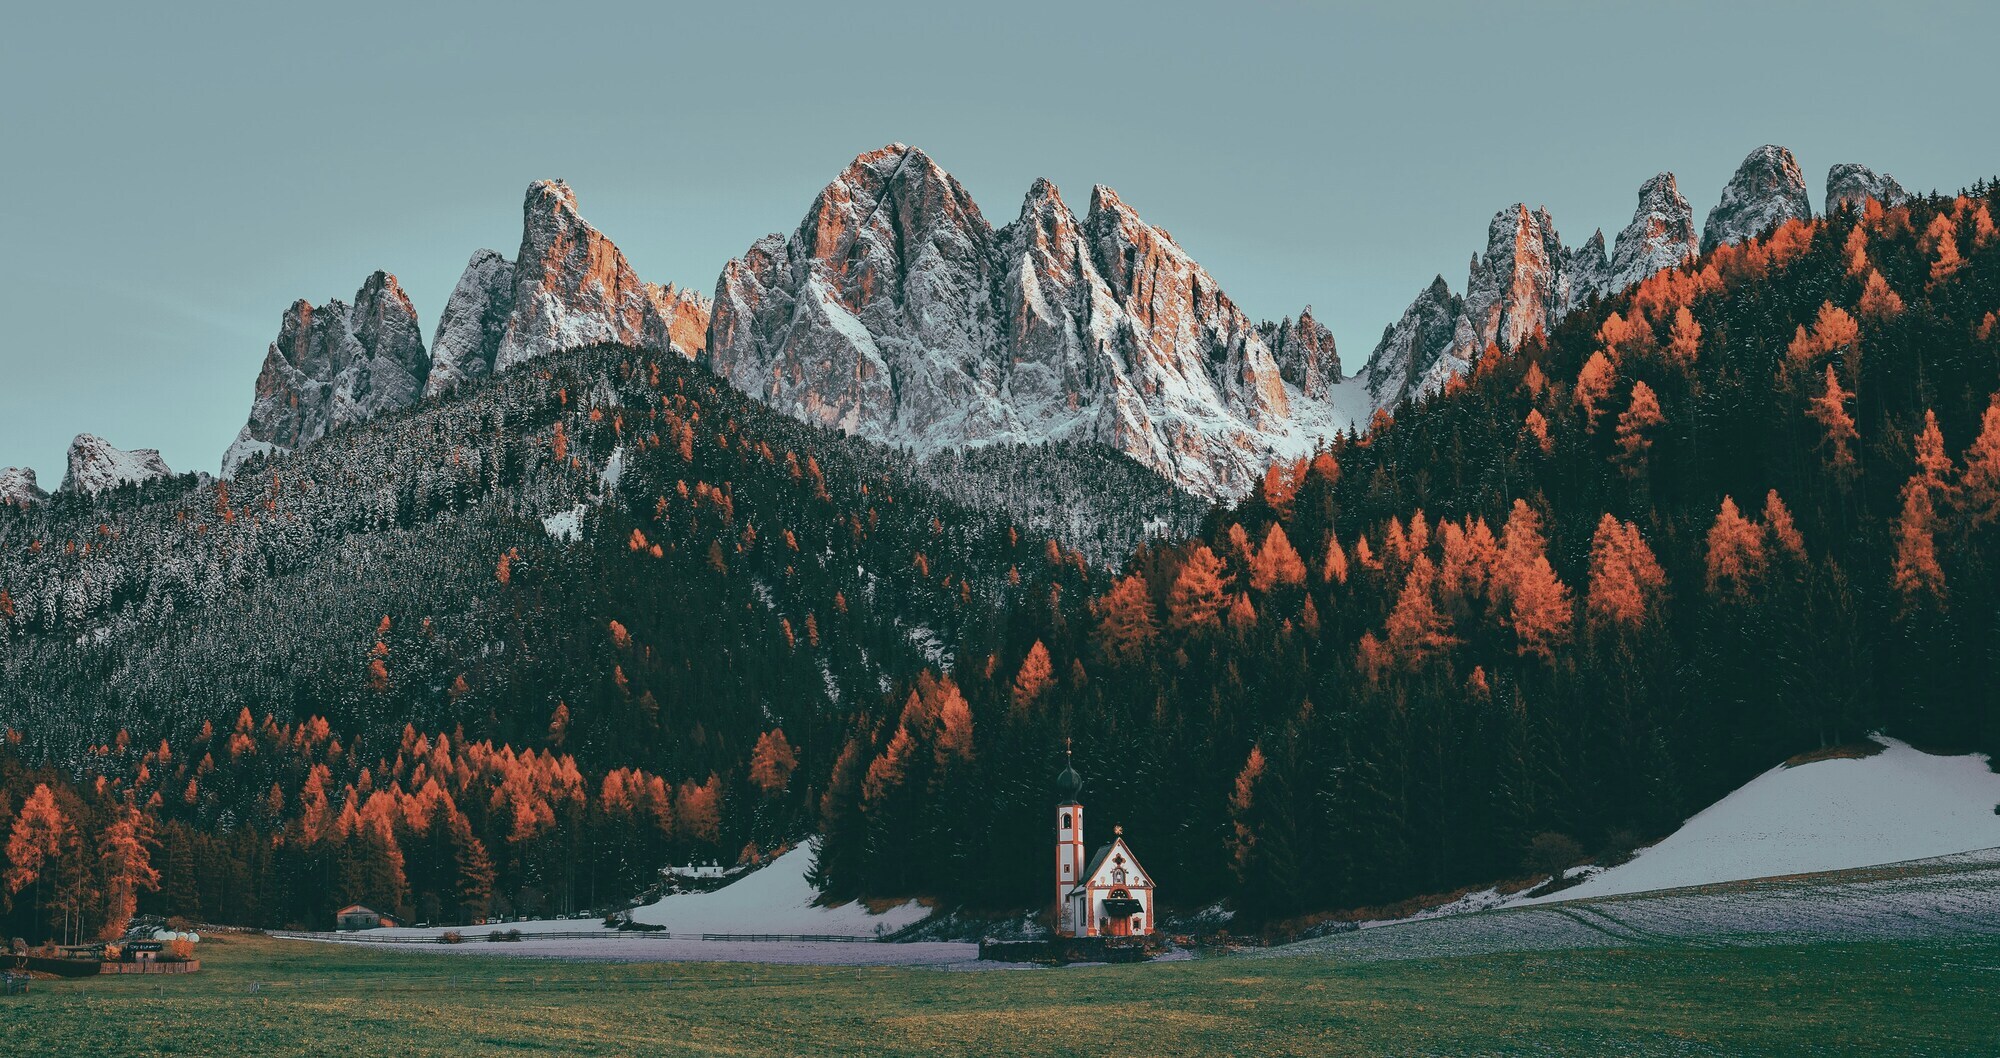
(1104, 853)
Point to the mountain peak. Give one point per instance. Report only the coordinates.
(1766, 190)
(1851, 185)
(896, 312)
(95, 466)
(1661, 234)
(569, 286)
(331, 365)
(18, 487)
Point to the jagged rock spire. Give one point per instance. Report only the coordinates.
(1661, 234)
(567, 287)
(1766, 191)
(332, 365)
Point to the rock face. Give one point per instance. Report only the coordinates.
(1766, 191)
(95, 466)
(1413, 348)
(332, 365)
(684, 311)
(1852, 185)
(1661, 234)
(1589, 271)
(18, 487)
(567, 287)
(1520, 286)
(897, 312)
(1304, 352)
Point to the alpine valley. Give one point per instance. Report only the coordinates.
(610, 574)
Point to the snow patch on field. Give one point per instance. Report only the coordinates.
(776, 899)
(1900, 804)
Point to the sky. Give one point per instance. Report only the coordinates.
(174, 176)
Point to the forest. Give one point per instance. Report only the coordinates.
(513, 652)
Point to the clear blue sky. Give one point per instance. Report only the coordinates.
(175, 175)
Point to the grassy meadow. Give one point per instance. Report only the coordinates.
(257, 996)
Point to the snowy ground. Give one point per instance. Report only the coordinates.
(1945, 897)
(1900, 804)
(776, 899)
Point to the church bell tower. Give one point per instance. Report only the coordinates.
(1070, 916)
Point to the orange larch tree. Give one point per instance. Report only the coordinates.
(1642, 415)
(1735, 553)
(1537, 605)
(1624, 575)
(1199, 592)
(1277, 562)
(1916, 574)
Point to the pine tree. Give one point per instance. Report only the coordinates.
(1735, 553)
(772, 762)
(1125, 625)
(1624, 575)
(1538, 607)
(1277, 562)
(1033, 678)
(1916, 574)
(1829, 409)
(1979, 486)
(1642, 415)
(1198, 594)
(126, 863)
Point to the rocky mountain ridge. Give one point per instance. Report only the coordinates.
(1528, 280)
(897, 312)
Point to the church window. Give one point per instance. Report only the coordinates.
(1066, 821)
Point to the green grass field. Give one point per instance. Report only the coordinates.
(256, 996)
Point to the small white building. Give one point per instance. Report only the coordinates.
(1109, 895)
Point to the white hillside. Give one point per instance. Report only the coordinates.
(1900, 804)
(774, 899)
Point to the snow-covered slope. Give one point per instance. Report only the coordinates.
(1900, 804)
(774, 899)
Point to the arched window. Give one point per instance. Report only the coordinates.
(1066, 821)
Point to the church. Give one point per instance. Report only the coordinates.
(1109, 896)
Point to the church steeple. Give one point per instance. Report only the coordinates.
(1070, 918)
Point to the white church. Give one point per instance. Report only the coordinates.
(1111, 895)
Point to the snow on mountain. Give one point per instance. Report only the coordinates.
(1304, 352)
(333, 365)
(568, 286)
(1661, 234)
(18, 487)
(1852, 185)
(897, 312)
(1900, 804)
(94, 466)
(1766, 191)
(1413, 346)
